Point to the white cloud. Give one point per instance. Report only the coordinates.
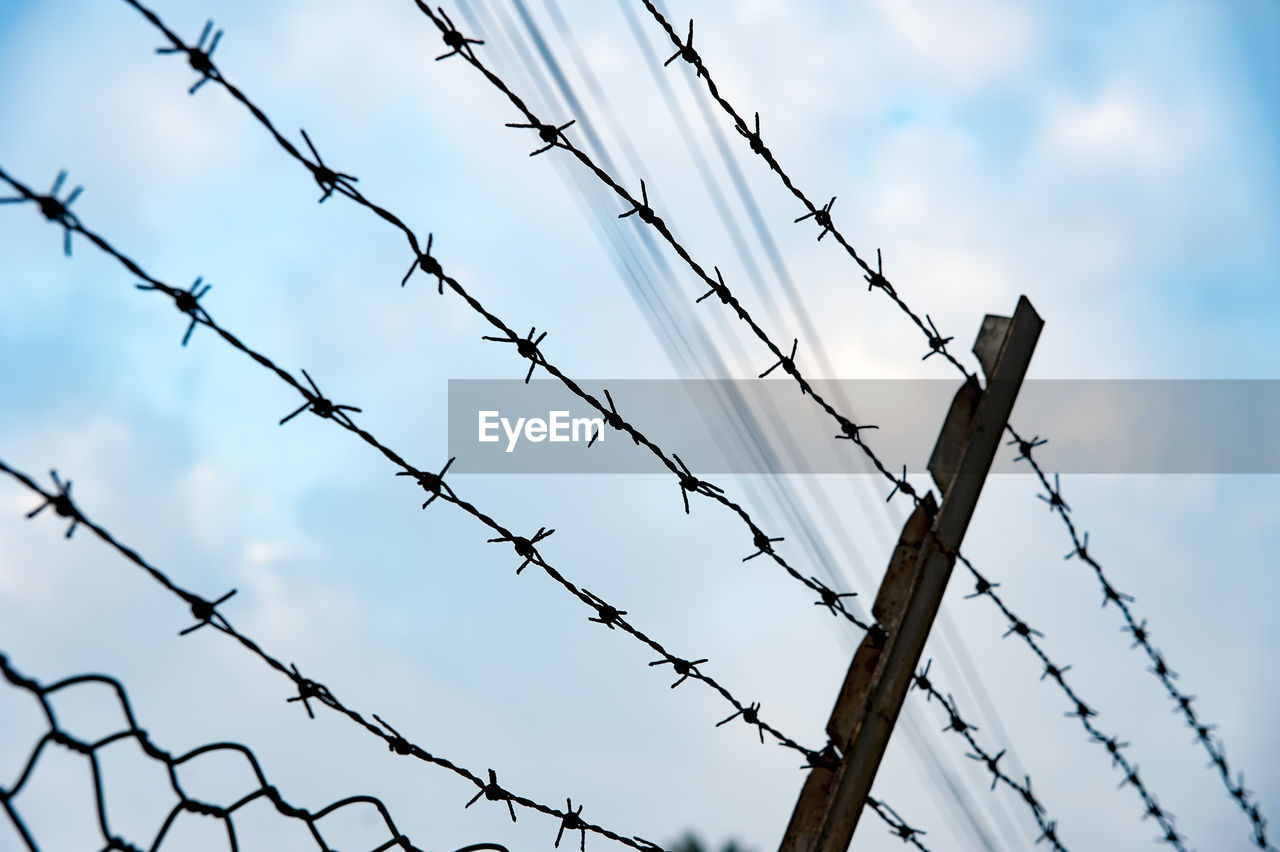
(266, 552)
(1124, 127)
(964, 44)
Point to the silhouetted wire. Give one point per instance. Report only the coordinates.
(937, 344)
(206, 614)
(781, 490)
(1214, 746)
(643, 211)
(526, 346)
(821, 215)
(956, 724)
(648, 282)
(337, 183)
(55, 735)
(432, 483)
(1080, 710)
(965, 811)
(897, 826)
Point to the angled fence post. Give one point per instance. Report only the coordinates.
(882, 669)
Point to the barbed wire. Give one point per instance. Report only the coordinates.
(552, 136)
(937, 345)
(1141, 634)
(645, 213)
(875, 277)
(527, 347)
(55, 735)
(433, 483)
(187, 302)
(956, 724)
(897, 827)
(332, 181)
(1080, 710)
(206, 614)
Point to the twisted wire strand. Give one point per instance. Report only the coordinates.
(1141, 634)
(433, 483)
(875, 277)
(956, 724)
(897, 827)
(1080, 710)
(527, 347)
(206, 614)
(56, 735)
(937, 345)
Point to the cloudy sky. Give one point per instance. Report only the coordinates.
(1116, 163)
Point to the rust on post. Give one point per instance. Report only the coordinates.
(889, 609)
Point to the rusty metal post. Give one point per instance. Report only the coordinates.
(882, 669)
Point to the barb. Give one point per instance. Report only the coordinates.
(55, 735)
(326, 178)
(52, 209)
(426, 263)
(748, 715)
(61, 503)
(786, 362)
(199, 57)
(188, 302)
(527, 347)
(525, 547)
(205, 611)
(686, 51)
(937, 345)
(548, 133)
(822, 216)
(307, 690)
(322, 407)
(433, 483)
(493, 793)
(458, 44)
(956, 724)
(319, 405)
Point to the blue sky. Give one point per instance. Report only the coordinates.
(1117, 163)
